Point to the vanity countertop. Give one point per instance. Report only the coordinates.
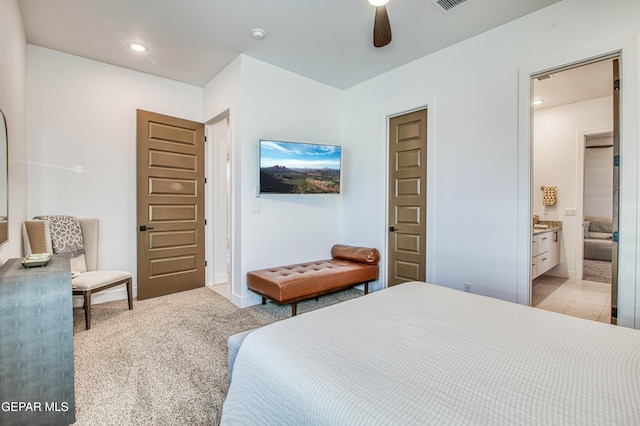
(551, 226)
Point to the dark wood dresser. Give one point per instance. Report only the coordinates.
(36, 344)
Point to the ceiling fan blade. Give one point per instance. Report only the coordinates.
(381, 27)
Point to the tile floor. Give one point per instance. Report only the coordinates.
(584, 299)
(221, 289)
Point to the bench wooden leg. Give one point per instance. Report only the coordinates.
(264, 300)
(294, 309)
(366, 287)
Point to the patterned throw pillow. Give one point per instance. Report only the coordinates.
(585, 228)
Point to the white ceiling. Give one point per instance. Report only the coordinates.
(576, 84)
(329, 41)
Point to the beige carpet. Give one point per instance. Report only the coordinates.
(596, 270)
(164, 362)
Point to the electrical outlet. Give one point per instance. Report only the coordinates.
(467, 287)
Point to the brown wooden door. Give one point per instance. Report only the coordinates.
(170, 204)
(407, 197)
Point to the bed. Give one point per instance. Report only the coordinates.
(419, 353)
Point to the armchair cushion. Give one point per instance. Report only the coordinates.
(95, 279)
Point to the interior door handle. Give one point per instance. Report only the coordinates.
(392, 229)
(144, 228)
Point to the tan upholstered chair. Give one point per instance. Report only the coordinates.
(37, 239)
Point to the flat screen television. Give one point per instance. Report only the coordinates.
(299, 168)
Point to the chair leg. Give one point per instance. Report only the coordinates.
(87, 309)
(130, 294)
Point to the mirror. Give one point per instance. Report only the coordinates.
(4, 208)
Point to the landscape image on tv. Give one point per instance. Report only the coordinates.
(299, 168)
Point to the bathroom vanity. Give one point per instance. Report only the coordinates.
(545, 249)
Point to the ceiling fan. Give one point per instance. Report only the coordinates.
(381, 25)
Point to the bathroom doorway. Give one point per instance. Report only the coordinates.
(597, 202)
(574, 111)
(218, 188)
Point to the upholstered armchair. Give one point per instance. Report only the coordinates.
(77, 239)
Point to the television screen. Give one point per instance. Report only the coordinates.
(299, 168)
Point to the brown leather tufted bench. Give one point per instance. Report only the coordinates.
(349, 266)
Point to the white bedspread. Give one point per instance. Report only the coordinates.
(423, 354)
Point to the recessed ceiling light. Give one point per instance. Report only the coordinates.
(138, 47)
(258, 33)
(377, 3)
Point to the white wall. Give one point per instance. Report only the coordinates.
(477, 194)
(81, 139)
(276, 104)
(13, 51)
(558, 147)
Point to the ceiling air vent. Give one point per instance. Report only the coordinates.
(447, 5)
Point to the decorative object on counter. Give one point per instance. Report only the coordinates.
(547, 225)
(36, 259)
(549, 196)
(536, 219)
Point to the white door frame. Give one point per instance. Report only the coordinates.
(217, 177)
(629, 275)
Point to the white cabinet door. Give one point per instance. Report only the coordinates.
(545, 252)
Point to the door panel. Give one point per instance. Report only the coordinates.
(407, 197)
(170, 204)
